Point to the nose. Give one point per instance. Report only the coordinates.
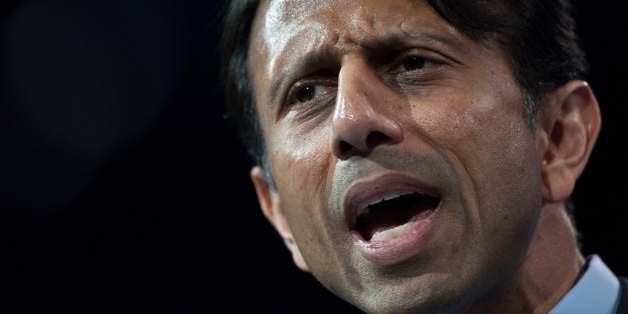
(361, 121)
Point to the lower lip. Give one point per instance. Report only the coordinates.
(397, 250)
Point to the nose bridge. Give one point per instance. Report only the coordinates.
(353, 86)
(361, 121)
(354, 105)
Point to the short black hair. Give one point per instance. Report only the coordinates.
(538, 35)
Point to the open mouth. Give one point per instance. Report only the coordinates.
(392, 216)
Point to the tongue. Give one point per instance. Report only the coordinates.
(389, 234)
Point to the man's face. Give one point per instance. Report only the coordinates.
(382, 109)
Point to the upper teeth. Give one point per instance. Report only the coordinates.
(365, 209)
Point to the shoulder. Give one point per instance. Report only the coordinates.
(623, 298)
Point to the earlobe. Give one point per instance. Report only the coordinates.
(269, 201)
(569, 129)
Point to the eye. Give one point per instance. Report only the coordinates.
(413, 63)
(306, 92)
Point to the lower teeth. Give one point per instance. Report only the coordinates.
(392, 233)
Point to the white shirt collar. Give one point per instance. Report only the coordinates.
(596, 292)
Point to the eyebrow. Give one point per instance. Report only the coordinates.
(376, 48)
(400, 40)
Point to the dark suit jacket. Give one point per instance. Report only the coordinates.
(623, 298)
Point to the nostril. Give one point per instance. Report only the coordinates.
(344, 148)
(376, 138)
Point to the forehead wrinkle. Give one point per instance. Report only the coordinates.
(289, 25)
(283, 18)
(293, 8)
(314, 38)
(293, 30)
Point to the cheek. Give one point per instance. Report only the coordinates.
(481, 124)
(483, 134)
(302, 166)
(492, 152)
(301, 169)
(300, 162)
(496, 145)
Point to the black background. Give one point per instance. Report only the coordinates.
(122, 187)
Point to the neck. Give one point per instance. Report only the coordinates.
(550, 269)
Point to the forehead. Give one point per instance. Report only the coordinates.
(286, 30)
(339, 13)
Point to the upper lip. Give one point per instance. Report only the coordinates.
(373, 189)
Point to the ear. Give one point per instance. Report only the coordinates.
(270, 203)
(569, 126)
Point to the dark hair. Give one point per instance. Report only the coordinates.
(538, 35)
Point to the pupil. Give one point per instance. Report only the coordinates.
(305, 93)
(414, 63)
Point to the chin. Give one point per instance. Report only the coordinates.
(428, 293)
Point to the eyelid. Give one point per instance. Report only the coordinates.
(431, 58)
(290, 96)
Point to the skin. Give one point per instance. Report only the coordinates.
(501, 241)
